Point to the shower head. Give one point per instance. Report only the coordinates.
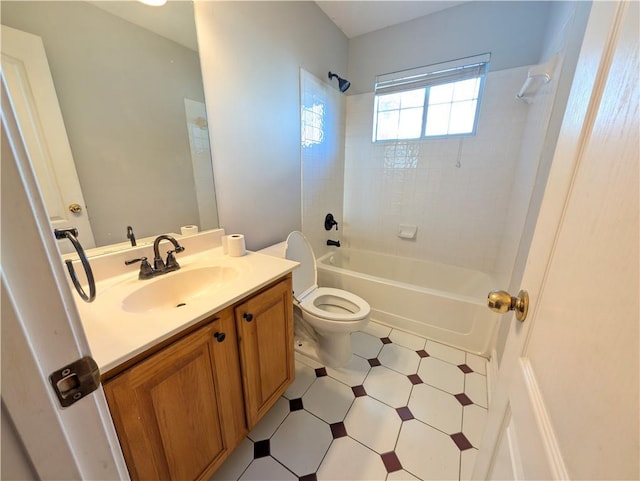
(343, 84)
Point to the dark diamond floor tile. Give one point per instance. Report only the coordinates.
(385, 340)
(358, 391)
(295, 404)
(465, 369)
(321, 371)
(415, 379)
(463, 399)
(461, 441)
(261, 449)
(338, 430)
(374, 362)
(422, 353)
(308, 477)
(404, 413)
(391, 462)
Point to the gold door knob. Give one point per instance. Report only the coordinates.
(75, 208)
(502, 302)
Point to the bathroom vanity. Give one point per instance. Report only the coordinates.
(186, 381)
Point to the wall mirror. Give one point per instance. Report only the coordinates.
(128, 82)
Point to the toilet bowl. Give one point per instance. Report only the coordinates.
(332, 313)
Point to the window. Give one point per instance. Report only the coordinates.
(312, 117)
(436, 101)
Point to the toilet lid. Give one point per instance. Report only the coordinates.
(305, 277)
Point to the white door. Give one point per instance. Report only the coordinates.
(566, 401)
(25, 71)
(42, 333)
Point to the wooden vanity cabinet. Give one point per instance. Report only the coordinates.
(265, 332)
(181, 411)
(176, 412)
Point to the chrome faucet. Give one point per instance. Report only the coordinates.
(159, 266)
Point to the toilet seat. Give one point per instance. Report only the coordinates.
(306, 291)
(356, 307)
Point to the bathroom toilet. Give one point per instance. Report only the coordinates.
(332, 313)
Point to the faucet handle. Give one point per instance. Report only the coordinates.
(330, 221)
(133, 261)
(146, 271)
(172, 263)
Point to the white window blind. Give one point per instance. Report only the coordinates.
(438, 100)
(446, 72)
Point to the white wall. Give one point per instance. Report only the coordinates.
(251, 53)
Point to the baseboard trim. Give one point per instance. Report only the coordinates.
(543, 421)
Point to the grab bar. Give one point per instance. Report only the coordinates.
(72, 235)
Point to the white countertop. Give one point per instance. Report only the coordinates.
(116, 335)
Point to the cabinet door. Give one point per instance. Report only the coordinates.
(167, 411)
(227, 368)
(265, 328)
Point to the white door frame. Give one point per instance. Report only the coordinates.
(42, 332)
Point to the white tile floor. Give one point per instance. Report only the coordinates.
(404, 408)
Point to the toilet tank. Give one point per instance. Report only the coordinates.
(275, 250)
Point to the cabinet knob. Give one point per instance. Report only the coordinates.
(220, 336)
(247, 317)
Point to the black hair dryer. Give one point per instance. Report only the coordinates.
(329, 222)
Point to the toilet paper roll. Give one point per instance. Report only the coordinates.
(235, 245)
(189, 230)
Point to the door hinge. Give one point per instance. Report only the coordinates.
(75, 380)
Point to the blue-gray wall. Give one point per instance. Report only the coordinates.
(251, 54)
(512, 31)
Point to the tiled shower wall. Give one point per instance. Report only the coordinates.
(525, 173)
(562, 40)
(322, 157)
(457, 191)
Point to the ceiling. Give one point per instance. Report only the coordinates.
(359, 17)
(352, 17)
(173, 21)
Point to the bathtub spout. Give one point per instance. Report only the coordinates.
(333, 243)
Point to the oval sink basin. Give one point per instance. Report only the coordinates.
(177, 289)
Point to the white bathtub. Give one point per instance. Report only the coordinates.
(440, 302)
